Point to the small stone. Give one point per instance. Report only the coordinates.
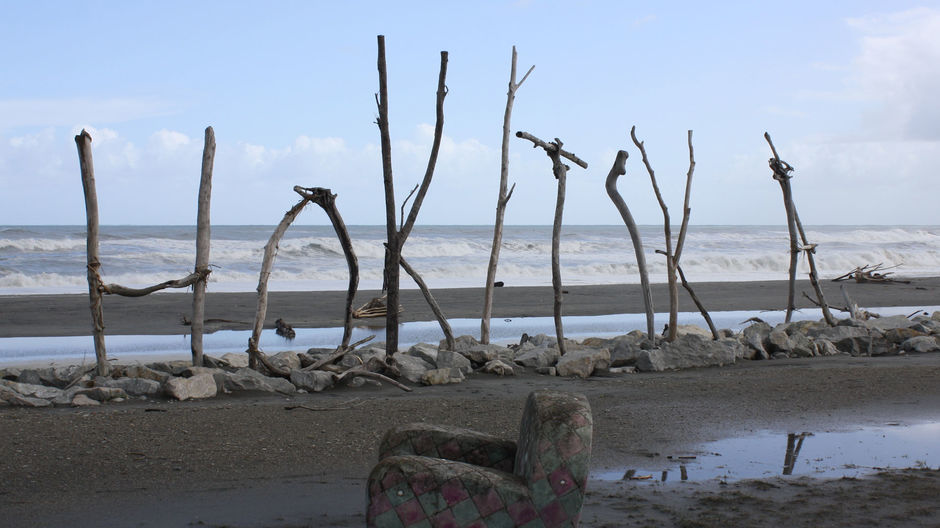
(498, 367)
(196, 387)
(81, 400)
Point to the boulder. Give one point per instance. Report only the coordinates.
(172, 367)
(410, 367)
(852, 340)
(312, 380)
(30, 390)
(482, 354)
(888, 323)
(29, 377)
(451, 359)
(900, 335)
(801, 346)
(688, 352)
(287, 360)
(582, 363)
(140, 371)
(778, 341)
(546, 371)
(623, 349)
(921, 345)
(82, 400)
(236, 360)
(102, 394)
(12, 397)
(498, 367)
(682, 330)
(442, 376)
(461, 343)
(10, 373)
(754, 337)
(424, 351)
(247, 379)
(196, 387)
(135, 386)
(825, 347)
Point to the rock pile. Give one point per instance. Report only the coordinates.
(428, 364)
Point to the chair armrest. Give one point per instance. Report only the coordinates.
(450, 443)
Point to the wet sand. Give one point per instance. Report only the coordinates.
(163, 313)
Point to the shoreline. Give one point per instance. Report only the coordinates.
(48, 315)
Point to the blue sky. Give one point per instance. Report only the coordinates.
(847, 89)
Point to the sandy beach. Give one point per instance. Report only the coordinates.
(246, 460)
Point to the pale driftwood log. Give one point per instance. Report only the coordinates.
(359, 371)
(327, 200)
(505, 193)
(782, 170)
(560, 171)
(124, 291)
(854, 312)
(267, 263)
(397, 236)
(698, 304)
(87, 166)
(203, 237)
(619, 169)
(436, 308)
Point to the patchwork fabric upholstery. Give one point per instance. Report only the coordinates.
(428, 475)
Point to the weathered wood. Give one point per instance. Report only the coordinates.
(619, 169)
(340, 351)
(327, 200)
(267, 263)
(505, 193)
(359, 371)
(87, 166)
(436, 308)
(203, 237)
(560, 171)
(698, 304)
(124, 291)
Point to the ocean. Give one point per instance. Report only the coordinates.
(51, 259)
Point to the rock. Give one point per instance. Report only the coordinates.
(921, 345)
(825, 348)
(542, 340)
(443, 376)
(899, 335)
(498, 367)
(582, 363)
(801, 346)
(29, 377)
(135, 386)
(623, 349)
(409, 367)
(82, 400)
(199, 386)
(451, 359)
(14, 398)
(622, 370)
(853, 340)
(287, 360)
(461, 343)
(10, 373)
(424, 351)
(682, 330)
(234, 360)
(754, 337)
(246, 379)
(102, 394)
(890, 322)
(481, 354)
(172, 367)
(311, 380)
(538, 357)
(546, 371)
(30, 390)
(140, 371)
(688, 352)
(778, 341)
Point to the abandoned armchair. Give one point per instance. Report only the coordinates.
(443, 476)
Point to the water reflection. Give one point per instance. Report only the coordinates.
(821, 454)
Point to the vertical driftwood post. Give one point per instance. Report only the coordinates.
(782, 170)
(203, 237)
(619, 169)
(397, 237)
(560, 171)
(505, 193)
(83, 141)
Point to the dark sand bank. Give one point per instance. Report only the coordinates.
(162, 313)
(245, 461)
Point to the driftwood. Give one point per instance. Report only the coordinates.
(698, 303)
(203, 237)
(505, 193)
(672, 256)
(782, 170)
(340, 351)
(83, 142)
(436, 308)
(374, 308)
(360, 371)
(560, 171)
(870, 273)
(619, 169)
(185, 282)
(397, 235)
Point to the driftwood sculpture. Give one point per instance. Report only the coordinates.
(505, 193)
(782, 170)
(97, 287)
(397, 235)
(560, 171)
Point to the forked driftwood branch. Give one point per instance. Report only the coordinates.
(870, 273)
(560, 171)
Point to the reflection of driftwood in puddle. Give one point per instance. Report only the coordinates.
(794, 445)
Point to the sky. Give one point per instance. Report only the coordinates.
(847, 90)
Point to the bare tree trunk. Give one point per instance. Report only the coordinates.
(560, 171)
(327, 200)
(619, 169)
(504, 195)
(813, 274)
(86, 163)
(397, 238)
(436, 308)
(267, 263)
(203, 237)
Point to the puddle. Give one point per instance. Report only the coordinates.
(808, 454)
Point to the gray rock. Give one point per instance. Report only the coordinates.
(102, 394)
(582, 363)
(140, 371)
(682, 330)
(481, 354)
(443, 376)
(373, 352)
(29, 377)
(10, 373)
(498, 367)
(287, 360)
(623, 349)
(900, 335)
(12, 397)
(801, 346)
(622, 370)
(312, 380)
(461, 343)
(542, 340)
(825, 347)
(247, 379)
(778, 341)
(852, 340)
(239, 360)
(135, 386)
(451, 359)
(424, 351)
(538, 357)
(172, 367)
(81, 400)
(30, 390)
(921, 345)
(890, 322)
(409, 367)
(754, 337)
(546, 371)
(199, 386)
(688, 352)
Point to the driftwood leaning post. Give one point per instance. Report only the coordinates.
(505, 193)
(560, 171)
(203, 237)
(398, 235)
(782, 170)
